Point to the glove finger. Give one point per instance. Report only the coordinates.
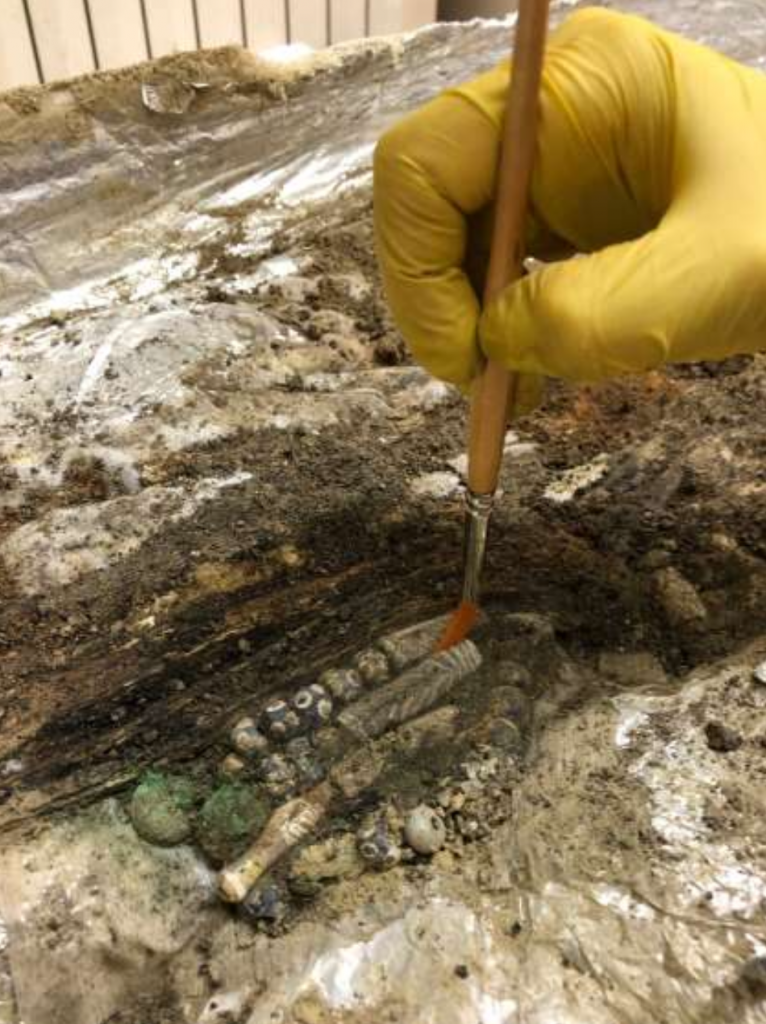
(674, 295)
(423, 191)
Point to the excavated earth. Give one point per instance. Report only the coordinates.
(221, 475)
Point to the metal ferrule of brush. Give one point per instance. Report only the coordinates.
(477, 511)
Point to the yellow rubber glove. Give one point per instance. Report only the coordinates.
(651, 158)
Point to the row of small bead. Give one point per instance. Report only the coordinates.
(289, 723)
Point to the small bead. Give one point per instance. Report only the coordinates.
(372, 666)
(247, 740)
(424, 830)
(278, 774)
(313, 706)
(280, 721)
(343, 684)
(377, 847)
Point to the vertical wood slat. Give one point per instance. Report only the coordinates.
(347, 18)
(266, 23)
(119, 32)
(171, 26)
(63, 41)
(219, 22)
(17, 58)
(308, 22)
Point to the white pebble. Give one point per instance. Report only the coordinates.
(424, 830)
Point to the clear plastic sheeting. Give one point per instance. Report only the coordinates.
(415, 953)
(125, 334)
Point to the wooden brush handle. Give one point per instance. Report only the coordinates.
(495, 384)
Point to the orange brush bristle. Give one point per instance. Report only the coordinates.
(459, 626)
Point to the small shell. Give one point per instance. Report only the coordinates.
(280, 721)
(372, 666)
(343, 684)
(247, 740)
(424, 830)
(759, 673)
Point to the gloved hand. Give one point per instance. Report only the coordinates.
(651, 159)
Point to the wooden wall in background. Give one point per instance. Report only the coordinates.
(42, 40)
(460, 10)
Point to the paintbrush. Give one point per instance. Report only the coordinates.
(493, 391)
